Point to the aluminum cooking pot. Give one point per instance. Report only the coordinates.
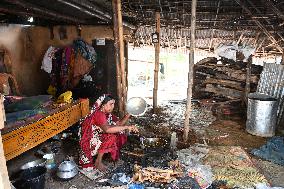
(67, 170)
(32, 164)
(150, 142)
(136, 106)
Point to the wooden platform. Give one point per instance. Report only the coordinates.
(29, 136)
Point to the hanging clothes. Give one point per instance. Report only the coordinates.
(86, 50)
(47, 59)
(68, 65)
(80, 68)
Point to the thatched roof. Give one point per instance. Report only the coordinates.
(256, 22)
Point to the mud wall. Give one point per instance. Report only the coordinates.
(27, 46)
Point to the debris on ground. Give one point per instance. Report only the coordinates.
(190, 165)
(191, 158)
(153, 174)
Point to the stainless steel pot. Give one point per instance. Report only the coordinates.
(67, 170)
(35, 163)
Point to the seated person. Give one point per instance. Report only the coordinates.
(101, 132)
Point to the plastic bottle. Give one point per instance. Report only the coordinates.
(173, 144)
(6, 89)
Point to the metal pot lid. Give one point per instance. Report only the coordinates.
(261, 97)
(136, 106)
(67, 166)
(68, 174)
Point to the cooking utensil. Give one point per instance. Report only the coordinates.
(136, 106)
(35, 163)
(153, 142)
(67, 170)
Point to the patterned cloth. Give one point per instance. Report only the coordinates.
(86, 50)
(92, 138)
(67, 65)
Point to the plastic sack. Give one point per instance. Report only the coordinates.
(264, 186)
(202, 174)
(227, 51)
(65, 97)
(247, 51)
(120, 178)
(51, 90)
(136, 186)
(191, 156)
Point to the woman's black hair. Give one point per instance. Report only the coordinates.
(107, 98)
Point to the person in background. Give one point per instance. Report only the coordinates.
(101, 132)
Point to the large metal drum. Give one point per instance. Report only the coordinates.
(261, 115)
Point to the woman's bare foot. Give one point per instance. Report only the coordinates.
(117, 163)
(100, 166)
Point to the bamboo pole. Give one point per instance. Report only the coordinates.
(213, 30)
(248, 76)
(116, 54)
(157, 56)
(190, 70)
(121, 54)
(126, 70)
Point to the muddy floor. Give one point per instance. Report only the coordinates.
(207, 127)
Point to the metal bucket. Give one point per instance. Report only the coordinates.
(261, 115)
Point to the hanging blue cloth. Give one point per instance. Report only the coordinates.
(86, 50)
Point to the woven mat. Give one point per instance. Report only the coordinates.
(233, 164)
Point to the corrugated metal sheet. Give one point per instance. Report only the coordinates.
(272, 83)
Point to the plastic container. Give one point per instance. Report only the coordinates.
(173, 143)
(50, 163)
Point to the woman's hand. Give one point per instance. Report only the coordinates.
(123, 120)
(133, 129)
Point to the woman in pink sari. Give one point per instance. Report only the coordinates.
(102, 132)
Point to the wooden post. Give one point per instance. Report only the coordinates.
(190, 70)
(4, 178)
(121, 54)
(117, 59)
(157, 56)
(248, 76)
(213, 30)
(126, 71)
(282, 61)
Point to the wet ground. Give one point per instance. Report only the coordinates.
(209, 123)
